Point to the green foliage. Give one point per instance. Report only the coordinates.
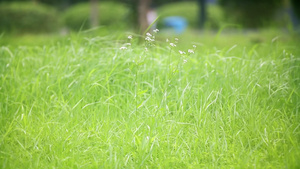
(48, 2)
(190, 10)
(296, 7)
(110, 14)
(251, 13)
(28, 17)
(81, 102)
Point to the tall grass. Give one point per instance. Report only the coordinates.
(90, 102)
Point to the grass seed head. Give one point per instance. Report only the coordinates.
(172, 44)
(191, 51)
(148, 34)
(181, 52)
(149, 39)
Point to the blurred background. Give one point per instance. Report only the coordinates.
(177, 16)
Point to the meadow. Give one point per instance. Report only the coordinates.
(228, 100)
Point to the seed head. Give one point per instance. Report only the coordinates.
(181, 52)
(172, 44)
(148, 34)
(148, 38)
(191, 51)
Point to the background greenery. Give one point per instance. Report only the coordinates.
(37, 17)
(28, 17)
(110, 14)
(214, 13)
(252, 14)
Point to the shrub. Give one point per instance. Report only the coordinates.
(251, 13)
(110, 14)
(190, 10)
(27, 17)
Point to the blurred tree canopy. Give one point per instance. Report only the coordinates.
(20, 17)
(251, 13)
(247, 13)
(296, 7)
(129, 2)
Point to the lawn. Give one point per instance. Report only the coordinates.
(204, 100)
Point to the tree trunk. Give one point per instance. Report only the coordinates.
(94, 16)
(202, 13)
(142, 10)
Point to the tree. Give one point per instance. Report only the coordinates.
(94, 13)
(294, 12)
(202, 12)
(143, 8)
(138, 10)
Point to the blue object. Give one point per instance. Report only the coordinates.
(178, 23)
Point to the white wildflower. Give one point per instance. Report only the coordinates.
(184, 61)
(167, 40)
(191, 51)
(146, 49)
(149, 39)
(194, 46)
(123, 48)
(127, 44)
(181, 52)
(130, 37)
(155, 30)
(172, 44)
(148, 34)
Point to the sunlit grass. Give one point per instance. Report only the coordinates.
(85, 102)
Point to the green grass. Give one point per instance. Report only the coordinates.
(81, 102)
